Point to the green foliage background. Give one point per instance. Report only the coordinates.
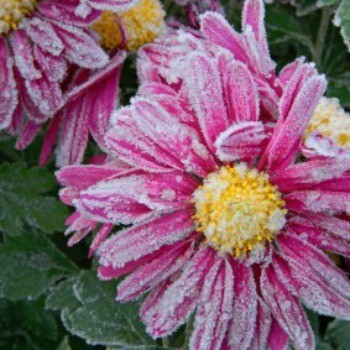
(50, 297)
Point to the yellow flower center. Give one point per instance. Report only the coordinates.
(238, 210)
(330, 119)
(12, 11)
(140, 25)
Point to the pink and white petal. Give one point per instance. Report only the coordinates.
(68, 194)
(43, 34)
(126, 141)
(153, 273)
(289, 70)
(145, 238)
(84, 176)
(336, 226)
(24, 55)
(106, 273)
(8, 89)
(105, 95)
(171, 100)
(215, 307)
(17, 117)
(27, 135)
(241, 141)
(181, 141)
(269, 97)
(205, 93)
(50, 139)
(136, 197)
(84, 80)
(318, 201)
(80, 47)
(286, 310)
(74, 132)
(288, 133)
(310, 174)
(241, 95)
(100, 237)
(173, 306)
(217, 30)
(241, 330)
(262, 327)
(66, 13)
(55, 68)
(325, 240)
(321, 285)
(46, 96)
(278, 338)
(253, 22)
(302, 73)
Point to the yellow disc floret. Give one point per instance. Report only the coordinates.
(330, 119)
(134, 27)
(109, 30)
(12, 11)
(238, 209)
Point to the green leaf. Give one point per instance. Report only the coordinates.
(30, 264)
(89, 310)
(304, 7)
(338, 334)
(284, 28)
(27, 325)
(23, 199)
(342, 19)
(62, 296)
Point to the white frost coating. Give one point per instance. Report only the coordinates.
(153, 273)
(242, 327)
(145, 238)
(180, 298)
(80, 47)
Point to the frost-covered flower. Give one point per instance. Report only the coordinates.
(87, 97)
(160, 60)
(328, 133)
(225, 220)
(38, 42)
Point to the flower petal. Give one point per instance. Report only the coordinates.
(243, 322)
(290, 129)
(318, 201)
(321, 285)
(43, 34)
(286, 309)
(310, 174)
(74, 132)
(154, 272)
(172, 308)
(204, 90)
(215, 308)
(80, 47)
(8, 90)
(241, 141)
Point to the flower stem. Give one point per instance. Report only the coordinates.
(321, 35)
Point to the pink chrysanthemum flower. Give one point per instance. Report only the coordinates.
(226, 220)
(52, 53)
(38, 41)
(90, 100)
